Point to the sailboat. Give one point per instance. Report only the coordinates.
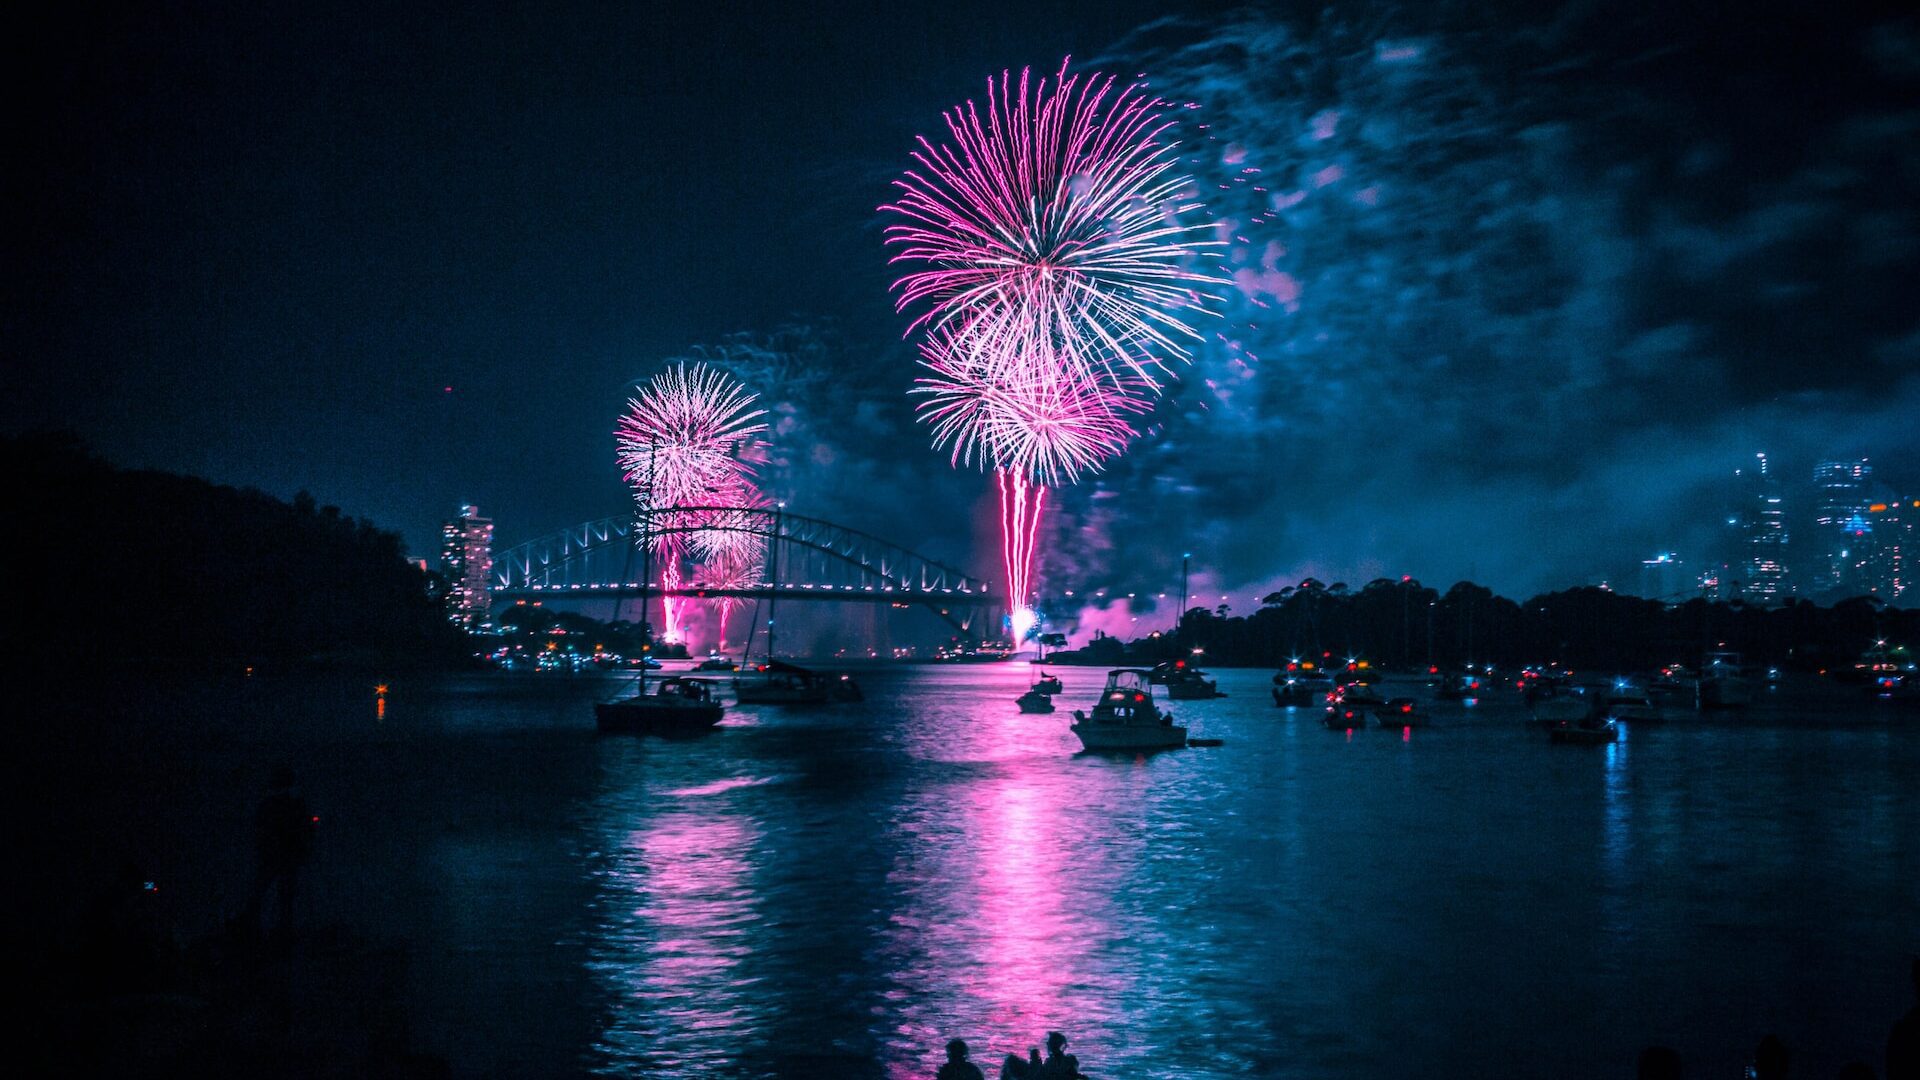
(677, 705)
(777, 682)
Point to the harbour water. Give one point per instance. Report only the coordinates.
(839, 891)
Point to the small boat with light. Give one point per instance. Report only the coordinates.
(1723, 682)
(716, 662)
(1362, 694)
(1047, 684)
(1294, 690)
(1344, 717)
(1631, 705)
(1400, 712)
(780, 683)
(1192, 684)
(1592, 731)
(1033, 701)
(676, 706)
(1126, 718)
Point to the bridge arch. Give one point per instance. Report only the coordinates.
(820, 560)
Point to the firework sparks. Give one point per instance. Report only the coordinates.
(690, 439)
(1057, 254)
(1064, 202)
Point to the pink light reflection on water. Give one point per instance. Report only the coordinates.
(1007, 879)
(680, 914)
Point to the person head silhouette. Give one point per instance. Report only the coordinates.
(1056, 1042)
(1659, 1063)
(957, 1050)
(1771, 1058)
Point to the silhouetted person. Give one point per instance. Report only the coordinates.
(1856, 1070)
(1060, 1065)
(1015, 1069)
(1771, 1058)
(957, 1066)
(283, 839)
(1659, 1063)
(1903, 1042)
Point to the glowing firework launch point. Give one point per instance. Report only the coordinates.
(1058, 253)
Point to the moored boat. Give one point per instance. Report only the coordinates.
(1400, 712)
(1192, 684)
(1126, 718)
(1047, 684)
(676, 706)
(1591, 731)
(1033, 701)
(780, 683)
(1723, 685)
(1293, 690)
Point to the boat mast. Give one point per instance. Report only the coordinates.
(645, 531)
(773, 560)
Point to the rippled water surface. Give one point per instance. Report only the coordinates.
(838, 891)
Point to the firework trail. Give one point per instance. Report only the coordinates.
(690, 438)
(1053, 243)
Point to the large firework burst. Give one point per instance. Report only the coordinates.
(1055, 250)
(1064, 201)
(688, 443)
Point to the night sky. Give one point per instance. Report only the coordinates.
(1522, 292)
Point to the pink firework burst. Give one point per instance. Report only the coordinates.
(688, 441)
(1062, 199)
(691, 431)
(1001, 397)
(1057, 253)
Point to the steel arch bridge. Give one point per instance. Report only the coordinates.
(818, 560)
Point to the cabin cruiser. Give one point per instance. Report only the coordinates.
(1458, 686)
(777, 682)
(716, 662)
(1360, 693)
(1192, 684)
(1400, 712)
(1294, 688)
(1344, 717)
(676, 705)
(1591, 731)
(1629, 704)
(1722, 685)
(1126, 718)
(1047, 684)
(1033, 701)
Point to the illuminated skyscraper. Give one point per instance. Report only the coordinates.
(466, 558)
(1890, 548)
(1842, 530)
(1664, 577)
(1759, 521)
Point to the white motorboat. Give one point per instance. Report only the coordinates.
(1126, 718)
(1631, 705)
(1723, 685)
(1293, 689)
